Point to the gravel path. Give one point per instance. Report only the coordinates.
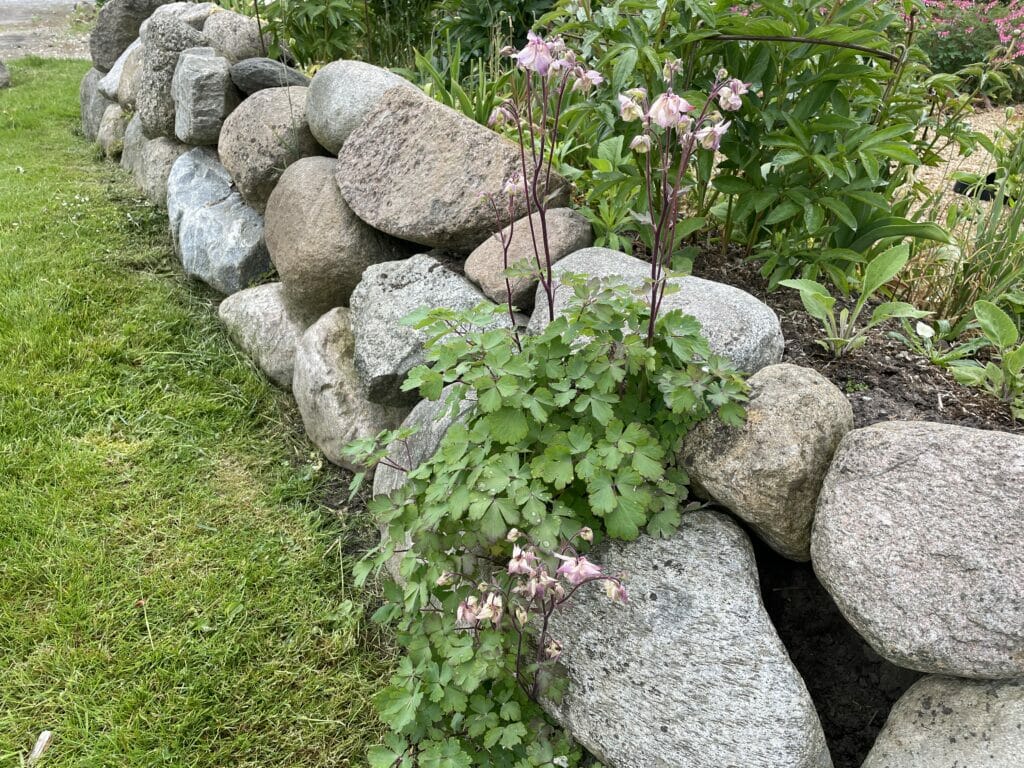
(55, 29)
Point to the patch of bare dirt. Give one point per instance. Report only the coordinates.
(53, 29)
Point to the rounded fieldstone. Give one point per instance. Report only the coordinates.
(945, 722)
(422, 172)
(340, 96)
(326, 388)
(320, 248)
(567, 232)
(739, 327)
(263, 136)
(234, 36)
(769, 471)
(256, 74)
(117, 25)
(919, 538)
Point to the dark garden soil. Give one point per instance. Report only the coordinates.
(852, 687)
(884, 380)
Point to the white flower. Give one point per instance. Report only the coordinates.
(629, 109)
(669, 110)
(924, 330)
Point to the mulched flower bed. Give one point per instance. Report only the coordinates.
(884, 380)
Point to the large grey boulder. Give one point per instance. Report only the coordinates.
(110, 135)
(111, 81)
(234, 36)
(117, 25)
(222, 245)
(132, 147)
(567, 232)
(769, 471)
(262, 324)
(92, 104)
(320, 248)
(203, 96)
(263, 136)
(690, 672)
(197, 180)
(334, 410)
(385, 349)
(258, 73)
(737, 326)
(420, 171)
(193, 14)
(919, 538)
(341, 95)
(154, 167)
(945, 722)
(163, 40)
(131, 78)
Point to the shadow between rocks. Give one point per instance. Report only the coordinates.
(852, 687)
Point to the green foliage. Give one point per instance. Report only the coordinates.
(474, 90)
(484, 27)
(985, 261)
(1003, 375)
(811, 169)
(171, 592)
(576, 426)
(844, 332)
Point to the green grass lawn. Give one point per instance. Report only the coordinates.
(171, 591)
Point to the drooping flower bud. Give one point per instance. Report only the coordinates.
(629, 109)
(553, 650)
(586, 533)
(641, 144)
(615, 591)
(513, 535)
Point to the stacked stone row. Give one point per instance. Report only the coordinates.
(369, 200)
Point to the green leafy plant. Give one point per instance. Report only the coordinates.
(1003, 375)
(937, 343)
(575, 427)
(846, 331)
(842, 108)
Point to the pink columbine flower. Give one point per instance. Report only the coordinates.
(669, 110)
(491, 609)
(729, 100)
(521, 561)
(615, 591)
(738, 87)
(576, 570)
(536, 55)
(641, 144)
(587, 80)
(538, 585)
(710, 137)
(466, 616)
(629, 109)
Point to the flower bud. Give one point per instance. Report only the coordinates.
(641, 144)
(586, 533)
(513, 535)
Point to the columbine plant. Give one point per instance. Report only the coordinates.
(535, 583)
(551, 71)
(673, 131)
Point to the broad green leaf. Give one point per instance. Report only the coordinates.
(997, 326)
(883, 268)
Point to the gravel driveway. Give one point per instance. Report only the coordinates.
(50, 28)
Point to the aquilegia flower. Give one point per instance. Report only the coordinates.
(729, 100)
(586, 80)
(536, 56)
(521, 562)
(629, 109)
(641, 144)
(710, 137)
(669, 110)
(576, 570)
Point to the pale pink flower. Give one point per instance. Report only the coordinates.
(586, 533)
(466, 616)
(738, 87)
(521, 561)
(513, 535)
(491, 609)
(710, 137)
(522, 616)
(669, 110)
(538, 585)
(445, 579)
(586, 80)
(629, 109)
(615, 591)
(536, 56)
(641, 144)
(729, 100)
(576, 570)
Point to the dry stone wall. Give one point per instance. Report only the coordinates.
(916, 530)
